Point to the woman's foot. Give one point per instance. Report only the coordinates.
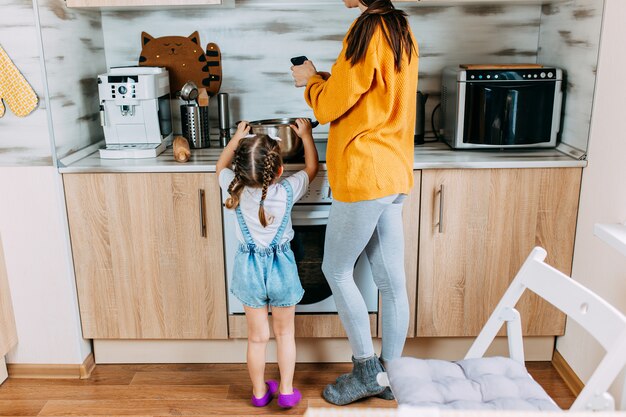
(360, 383)
(272, 388)
(289, 400)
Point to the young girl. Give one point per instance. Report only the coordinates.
(265, 272)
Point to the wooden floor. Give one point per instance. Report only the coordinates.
(204, 389)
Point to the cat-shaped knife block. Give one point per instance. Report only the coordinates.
(184, 59)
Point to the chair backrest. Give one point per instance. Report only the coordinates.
(604, 322)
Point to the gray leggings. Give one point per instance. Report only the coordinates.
(376, 227)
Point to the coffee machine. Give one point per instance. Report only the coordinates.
(135, 112)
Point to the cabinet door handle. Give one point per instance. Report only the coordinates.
(202, 213)
(441, 208)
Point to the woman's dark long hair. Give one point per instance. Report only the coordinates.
(397, 33)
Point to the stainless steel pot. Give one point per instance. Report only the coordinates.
(290, 144)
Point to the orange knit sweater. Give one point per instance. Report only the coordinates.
(371, 110)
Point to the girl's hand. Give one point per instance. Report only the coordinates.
(303, 128)
(243, 128)
(302, 73)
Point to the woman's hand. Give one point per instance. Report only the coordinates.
(243, 128)
(303, 128)
(302, 73)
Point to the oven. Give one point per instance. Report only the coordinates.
(309, 217)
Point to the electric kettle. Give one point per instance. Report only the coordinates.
(420, 117)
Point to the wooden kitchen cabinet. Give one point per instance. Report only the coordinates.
(148, 255)
(476, 232)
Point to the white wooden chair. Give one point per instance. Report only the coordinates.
(605, 323)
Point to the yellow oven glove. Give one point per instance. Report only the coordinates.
(14, 89)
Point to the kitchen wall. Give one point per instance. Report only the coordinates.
(73, 53)
(23, 140)
(44, 35)
(257, 38)
(34, 233)
(44, 38)
(569, 38)
(603, 199)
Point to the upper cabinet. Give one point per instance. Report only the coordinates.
(477, 228)
(148, 255)
(147, 3)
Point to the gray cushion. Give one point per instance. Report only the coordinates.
(487, 383)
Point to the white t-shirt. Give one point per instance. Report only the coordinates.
(275, 205)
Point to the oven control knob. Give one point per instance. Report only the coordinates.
(549, 75)
(543, 75)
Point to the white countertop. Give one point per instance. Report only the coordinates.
(428, 156)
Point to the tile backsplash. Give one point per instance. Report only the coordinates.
(569, 38)
(258, 38)
(73, 48)
(23, 140)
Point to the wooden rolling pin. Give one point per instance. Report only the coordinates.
(181, 149)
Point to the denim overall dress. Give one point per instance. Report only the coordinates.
(266, 275)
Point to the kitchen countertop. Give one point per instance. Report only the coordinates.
(428, 156)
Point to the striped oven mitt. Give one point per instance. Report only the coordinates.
(14, 89)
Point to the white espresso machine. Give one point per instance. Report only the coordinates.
(135, 112)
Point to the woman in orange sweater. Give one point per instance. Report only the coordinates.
(369, 100)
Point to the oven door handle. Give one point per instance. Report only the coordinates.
(303, 215)
(309, 217)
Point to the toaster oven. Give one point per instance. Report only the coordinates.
(501, 107)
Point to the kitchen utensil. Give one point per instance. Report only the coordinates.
(224, 118)
(195, 121)
(189, 91)
(14, 89)
(203, 97)
(181, 150)
(291, 145)
(420, 117)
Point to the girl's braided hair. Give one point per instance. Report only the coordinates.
(256, 164)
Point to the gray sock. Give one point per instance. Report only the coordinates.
(385, 395)
(360, 383)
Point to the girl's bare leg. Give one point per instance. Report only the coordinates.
(284, 331)
(258, 336)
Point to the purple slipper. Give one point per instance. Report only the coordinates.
(289, 400)
(272, 388)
